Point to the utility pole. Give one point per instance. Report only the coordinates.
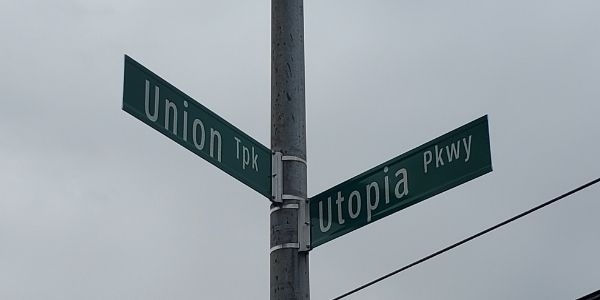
(289, 228)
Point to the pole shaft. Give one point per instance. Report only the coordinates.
(289, 267)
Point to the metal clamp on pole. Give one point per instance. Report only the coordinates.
(284, 246)
(278, 197)
(276, 177)
(303, 212)
(286, 206)
(303, 219)
(293, 158)
(303, 225)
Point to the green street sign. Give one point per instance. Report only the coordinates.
(157, 103)
(446, 162)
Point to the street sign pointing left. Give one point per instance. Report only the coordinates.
(159, 104)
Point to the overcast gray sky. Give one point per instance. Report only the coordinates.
(94, 204)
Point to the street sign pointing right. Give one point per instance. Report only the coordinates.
(446, 162)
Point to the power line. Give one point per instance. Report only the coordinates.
(468, 239)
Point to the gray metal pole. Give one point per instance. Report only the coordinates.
(289, 266)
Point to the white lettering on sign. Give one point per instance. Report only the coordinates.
(215, 136)
(402, 183)
(354, 213)
(247, 153)
(371, 195)
(195, 131)
(452, 153)
(339, 201)
(152, 117)
(372, 205)
(173, 107)
(325, 228)
(185, 121)
(172, 122)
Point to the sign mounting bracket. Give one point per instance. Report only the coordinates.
(278, 197)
